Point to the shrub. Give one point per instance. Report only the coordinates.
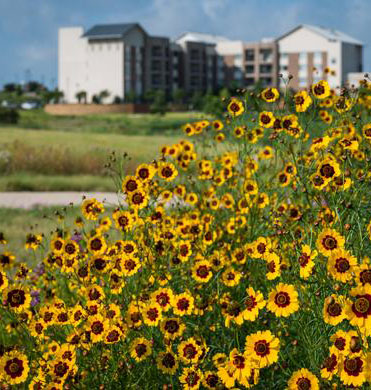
(8, 115)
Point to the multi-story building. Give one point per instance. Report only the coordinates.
(307, 47)
(246, 63)
(124, 60)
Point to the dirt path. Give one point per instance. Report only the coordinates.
(28, 200)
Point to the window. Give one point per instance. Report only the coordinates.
(283, 68)
(249, 69)
(333, 61)
(265, 68)
(156, 79)
(266, 55)
(195, 68)
(317, 57)
(195, 54)
(303, 58)
(156, 65)
(249, 81)
(156, 51)
(303, 68)
(302, 81)
(266, 81)
(249, 55)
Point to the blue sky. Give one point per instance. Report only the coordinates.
(28, 28)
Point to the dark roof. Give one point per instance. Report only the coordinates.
(101, 31)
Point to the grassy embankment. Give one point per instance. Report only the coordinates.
(50, 153)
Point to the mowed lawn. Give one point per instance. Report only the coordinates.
(45, 152)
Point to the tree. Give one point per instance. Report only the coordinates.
(81, 96)
(57, 95)
(159, 105)
(178, 95)
(130, 97)
(197, 101)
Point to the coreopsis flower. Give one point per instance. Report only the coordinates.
(183, 304)
(262, 348)
(97, 245)
(321, 90)
(328, 169)
(366, 131)
(240, 366)
(270, 95)
(167, 362)
(33, 241)
(167, 171)
(189, 351)
(3, 281)
(211, 380)
(334, 310)
(253, 302)
(6, 260)
(306, 262)
(131, 184)
(231, 277)
(14, 368)
(138, 199)
(202, 271)
(302, 101)
(140, 349)
(191, 378)
(172, 327)
(217, 125)
(303, 379)
(266, 119)
(341, 265)
(129, 265)
(353, 371)
(17, 298)
(273, 266)
(235, 107)
(358, 308)
(283, 300)
(341, 341)
(152, 314)
(145, 172)
(330, 366)
(91, 208)
(328, 241)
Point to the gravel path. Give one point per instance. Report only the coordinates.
(28, 200)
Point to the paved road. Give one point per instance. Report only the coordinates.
(28, 200)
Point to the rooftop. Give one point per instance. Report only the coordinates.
(326, 32)
(201, 37)
(101, 31)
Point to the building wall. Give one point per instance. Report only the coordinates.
(72, 65)
(352, 59)
(134, 59)
(104, 68)
(306, 43)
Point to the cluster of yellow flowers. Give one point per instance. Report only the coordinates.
(238, 260)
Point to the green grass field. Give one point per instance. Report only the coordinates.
(56, 153)
(17, 223)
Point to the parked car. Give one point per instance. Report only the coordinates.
(30, 105)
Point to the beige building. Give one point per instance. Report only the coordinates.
(307, 47)
(126, 61)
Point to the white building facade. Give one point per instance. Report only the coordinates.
(307, 47)
(101, 59)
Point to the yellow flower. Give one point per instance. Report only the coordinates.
(167, 362)
(341, 265)
(167, 171)
(182, 304)
(353, 371)
(334, 310)
(14, 368)
(262, 348)
(302, 101)
(189, 351)
(266, 119)
(283, 300)
(140, 349)
(91, 208)
(152, 314)
(306, 261)
(358, 309)
(235, 107)
(328, 241)
(270, 94)
(191, 378)
(321, 90)
(303, 379)
(202, 271)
